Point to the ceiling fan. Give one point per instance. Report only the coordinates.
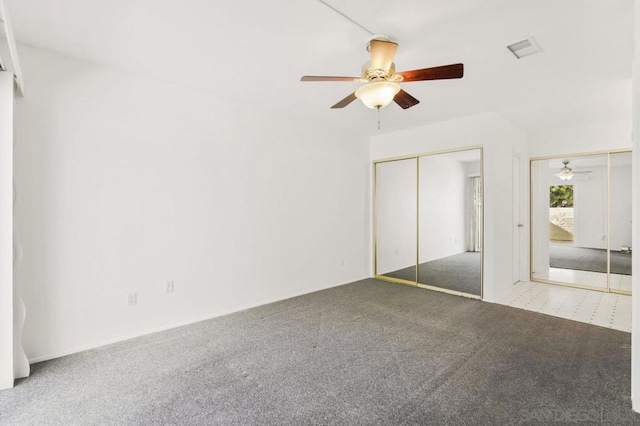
(382, 80)
(566, 173)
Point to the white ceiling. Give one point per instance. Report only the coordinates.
(257, 50)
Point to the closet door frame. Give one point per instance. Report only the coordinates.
(608, 153)
(375, 220)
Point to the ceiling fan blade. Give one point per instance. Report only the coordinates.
(382, 54)
(405, 100)
(436, 73)
(582, 172)
(346, 101)
(328, 78)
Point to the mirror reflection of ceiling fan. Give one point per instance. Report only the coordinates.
(567, 173)
(382, 80)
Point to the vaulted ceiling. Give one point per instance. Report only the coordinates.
(256, 51)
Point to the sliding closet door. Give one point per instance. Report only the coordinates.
(570, 220)
(620, 225)
(450, 221)
(396, 219)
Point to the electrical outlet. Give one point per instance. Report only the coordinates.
(132, 300)
(168, 287)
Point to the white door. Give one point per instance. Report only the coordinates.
(6, 230)
(517, 224)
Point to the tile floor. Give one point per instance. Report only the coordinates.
(593, 307)
(595, 279)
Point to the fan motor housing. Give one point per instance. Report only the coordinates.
(370, 74)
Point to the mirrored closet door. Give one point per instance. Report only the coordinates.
(396, 226)
(620, 250)
(581, 221)
(429, 221)
(450, 227)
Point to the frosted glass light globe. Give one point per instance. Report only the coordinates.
(377, 94)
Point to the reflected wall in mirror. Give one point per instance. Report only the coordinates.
(620, 225)
(450, 227)
(570, 220)
(396, 219)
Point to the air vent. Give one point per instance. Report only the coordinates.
(523, 48)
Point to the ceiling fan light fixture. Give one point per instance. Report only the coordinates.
(380, 77)
(566, 173)
(377, 94)
(566, 176)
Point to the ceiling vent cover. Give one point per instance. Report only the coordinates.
(525, 47)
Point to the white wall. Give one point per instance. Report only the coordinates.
(500, 140)
(443, 195)
(126, 183)
(6, 230)
(578, 139)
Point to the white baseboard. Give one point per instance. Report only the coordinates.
(102, 343)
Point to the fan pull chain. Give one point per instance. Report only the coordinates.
(378, 118)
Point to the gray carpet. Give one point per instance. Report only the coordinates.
(367, 353)
(460, 272)
(588, 259)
